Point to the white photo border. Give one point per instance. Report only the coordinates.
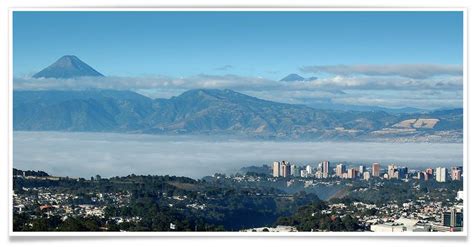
(12, 233)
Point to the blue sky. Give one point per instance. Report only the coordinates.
(254, 45)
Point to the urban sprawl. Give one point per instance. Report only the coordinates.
(374, 198)
(412, 216)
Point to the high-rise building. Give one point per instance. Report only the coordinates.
(285, 172)
(326, 169)
(284, 169)
(402, 172)
(391, 170)
(422, 175)
(366, 175)
(351, 173)
(294, 170)
(430, 172)
(309, 170)
(282, 164)
(456, 173)
(319, 167)
(340, 169)
(427, 177)
(441, 174)
(276, 169)
(361, 170)
(453, 218)
(375, 170)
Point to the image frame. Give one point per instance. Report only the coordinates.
(463, 233)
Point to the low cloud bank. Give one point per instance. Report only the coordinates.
(88, 154)
(236, 82)
(414, 71)
(416, 85)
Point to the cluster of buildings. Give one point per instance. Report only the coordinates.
(424, 212)
(278, 228)
(426, 217)
(415, 216)
(66, 204)
(285, 169)
(56, 202)
(441, 174)
(324, 170)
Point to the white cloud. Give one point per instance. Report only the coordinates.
(445, 91)
(240, 83)
(414, 71)
(382, 83)
(141, 83)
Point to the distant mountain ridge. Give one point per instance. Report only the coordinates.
(219, 112)
(296, 77)
(222, 112)
(347, 107)
(68, 67)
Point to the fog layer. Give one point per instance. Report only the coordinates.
(88, 154)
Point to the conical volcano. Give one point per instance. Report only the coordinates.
(293, 77)
(67, 67)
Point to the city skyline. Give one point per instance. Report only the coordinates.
(324, 170)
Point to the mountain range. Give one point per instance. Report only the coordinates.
(222, 112)
(219, 112)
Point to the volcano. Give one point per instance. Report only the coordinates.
(68, 67)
